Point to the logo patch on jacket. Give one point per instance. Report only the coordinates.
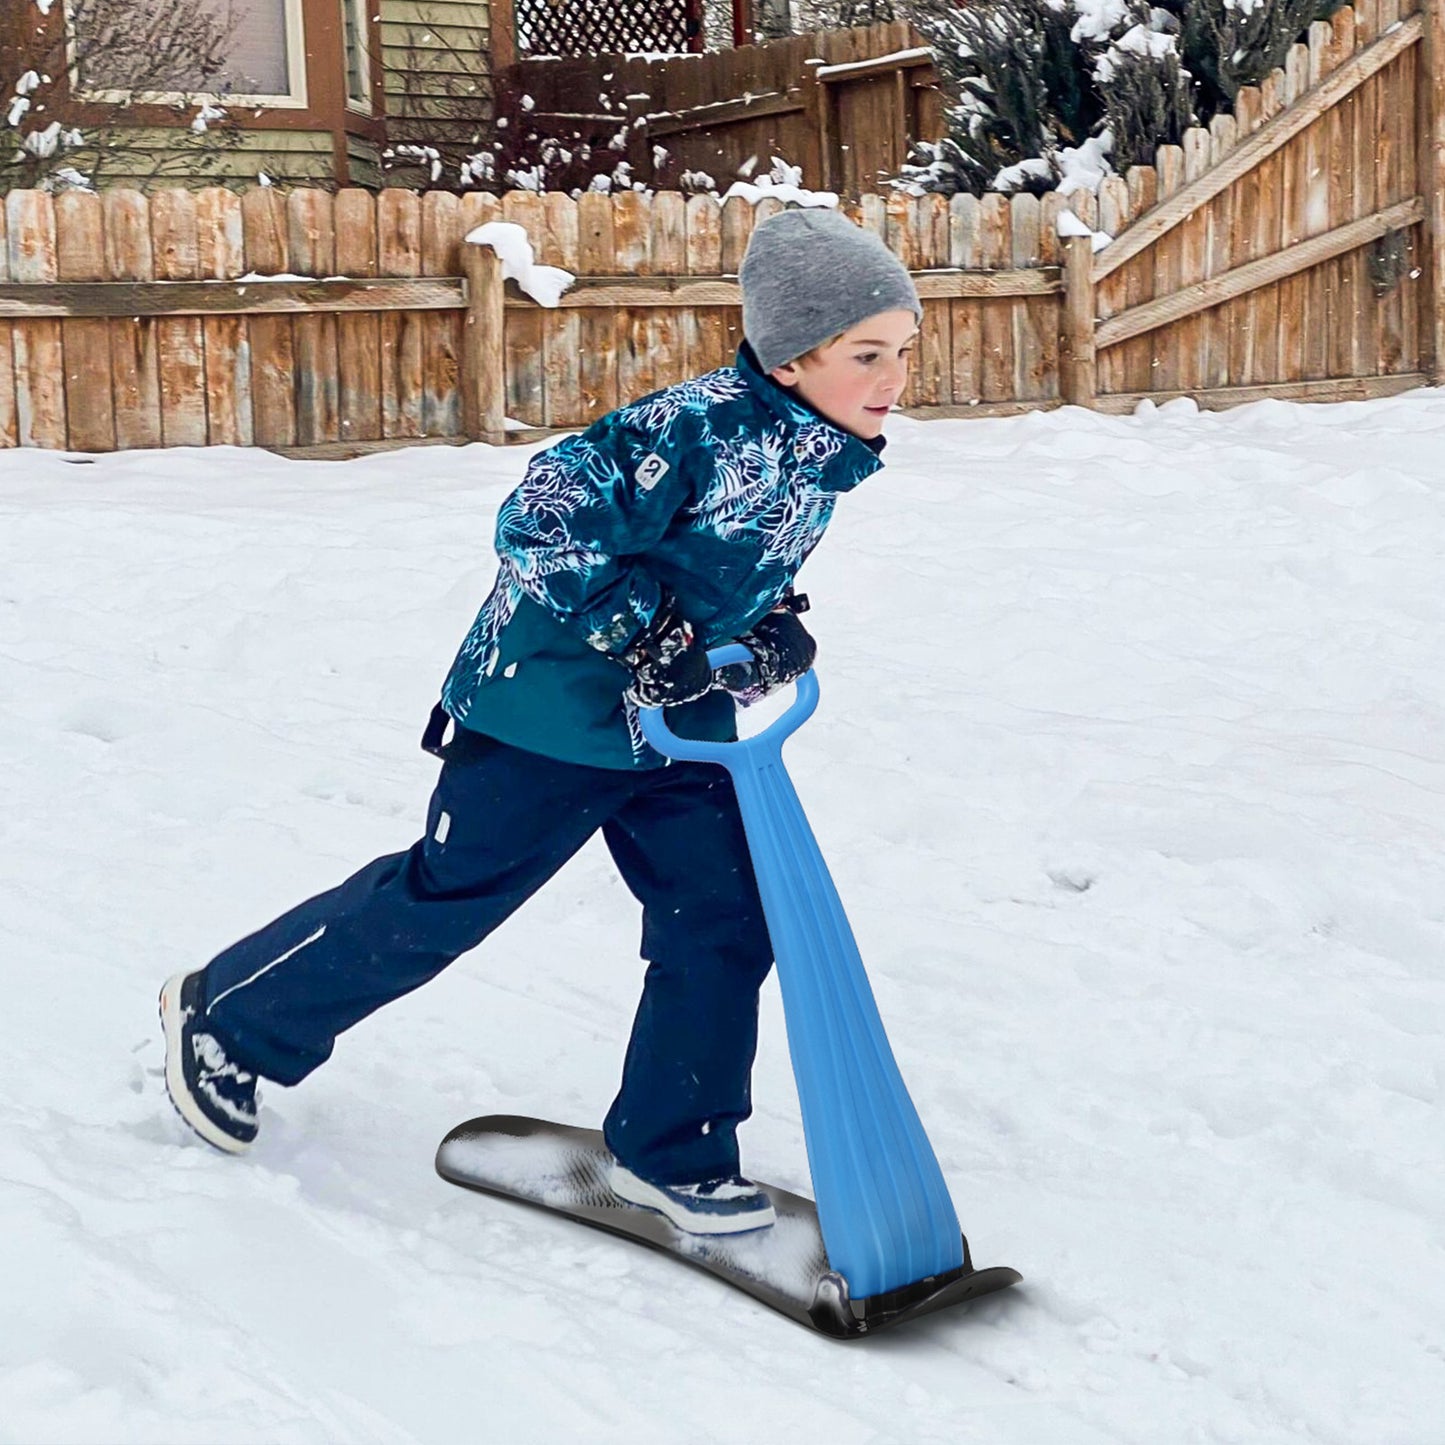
(650, 472)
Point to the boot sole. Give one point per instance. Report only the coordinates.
(627, 1186)
(182, 1100)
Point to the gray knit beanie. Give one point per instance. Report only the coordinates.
(810, 275)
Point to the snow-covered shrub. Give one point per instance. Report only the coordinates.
(1231, 43)
(1147, 98)
(1028, 79)
(1030, 82)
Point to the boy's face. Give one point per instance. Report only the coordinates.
(855, 380)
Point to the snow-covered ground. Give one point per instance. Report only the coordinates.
(1130, 767)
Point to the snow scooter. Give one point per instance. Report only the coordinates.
(882, 1244)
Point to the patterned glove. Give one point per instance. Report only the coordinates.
(782, 649)
(668, 661)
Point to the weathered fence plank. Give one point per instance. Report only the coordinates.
(1350, 388)
(134, 354)
(965, 319)
(221, 255)
(1035, 320)
(1318, 211)
(311, 238)
(561, 329)
(1190, 345)
(39, 354)
(632, 243)
(1219, 323)
(737, 230)
(1111, 291)
(598, 369)
(398, 241)
(1340, 300)
(526, 374)
(1264, 302)
(181, 344)
(705, 330)
(929, 219)
(668, 247)
(1142, 185)
(1403, 149)
(273, 359)
(358, 336)
(1244, 224)
(1388, 182)
(441, 240)
(996, 248)
(80, 256)
(9, 429)
(1431, 162)
(1166, 370)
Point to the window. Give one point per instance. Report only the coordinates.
(358, 54)
(248, 51)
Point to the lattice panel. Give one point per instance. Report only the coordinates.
(607, 27)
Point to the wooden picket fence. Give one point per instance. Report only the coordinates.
(1290, 251)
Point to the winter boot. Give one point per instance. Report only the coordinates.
(216, 1097)
(728, 1205)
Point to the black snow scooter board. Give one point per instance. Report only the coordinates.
(564, 1170)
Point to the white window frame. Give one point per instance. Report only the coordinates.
(296, 99)
(360, 13)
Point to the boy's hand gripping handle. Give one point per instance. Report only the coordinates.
(769, 740)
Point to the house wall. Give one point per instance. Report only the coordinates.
(436, 57)
(363, 160)
(150, 144)
(154, 156)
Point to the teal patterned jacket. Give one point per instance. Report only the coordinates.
(714, 490)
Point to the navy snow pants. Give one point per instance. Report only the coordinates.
(501, 822)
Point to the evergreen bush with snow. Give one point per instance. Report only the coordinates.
(1042, 90)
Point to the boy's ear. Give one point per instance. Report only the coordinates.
(787, 374)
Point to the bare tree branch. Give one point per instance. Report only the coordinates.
(49, 60)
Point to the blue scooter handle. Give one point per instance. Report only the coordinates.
(769, 740)
(883, 1206)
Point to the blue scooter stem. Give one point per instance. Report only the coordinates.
(883, 1207)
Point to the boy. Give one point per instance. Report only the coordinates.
(672, 525)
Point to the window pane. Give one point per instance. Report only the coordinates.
(257, 53)
(197, 46)
(358, 65)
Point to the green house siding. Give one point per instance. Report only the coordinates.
(152, 156)
(436, 55)
(363, 159)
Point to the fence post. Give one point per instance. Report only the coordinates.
(744, 23)
(484, 380)
(503, 35)
(1432, 173)
(1076, 350)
